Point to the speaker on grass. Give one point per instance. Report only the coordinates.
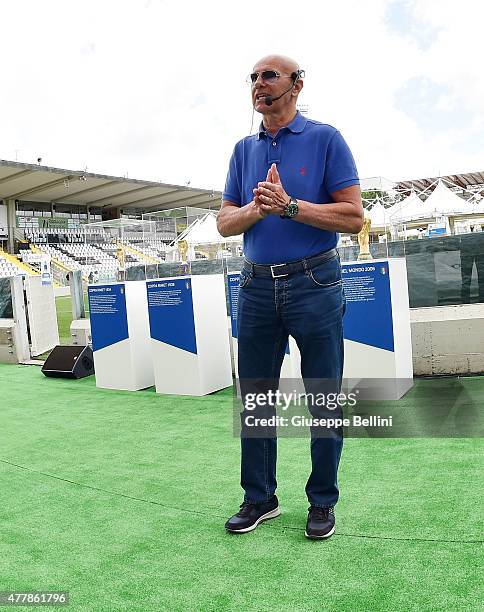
(69, 362)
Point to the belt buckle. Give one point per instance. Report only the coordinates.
(278, 275)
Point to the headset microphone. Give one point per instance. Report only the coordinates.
(269, 99)
(296, 76)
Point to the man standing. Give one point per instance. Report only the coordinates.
(290, 188)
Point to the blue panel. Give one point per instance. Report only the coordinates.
(368, 317)
(233, 280)
(170, 308)
(107, 311)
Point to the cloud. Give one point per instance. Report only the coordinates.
(401, 17)
(431, 105)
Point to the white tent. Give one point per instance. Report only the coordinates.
(408, 209)
(443, 202)
(204, 231)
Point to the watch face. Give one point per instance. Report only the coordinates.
(292, 209)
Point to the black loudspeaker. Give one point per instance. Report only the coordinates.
(69, 362)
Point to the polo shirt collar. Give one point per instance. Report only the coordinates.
(296, 126)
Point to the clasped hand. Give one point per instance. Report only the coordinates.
(269, 195)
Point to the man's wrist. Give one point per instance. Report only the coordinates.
(291, 209)
(255, 211)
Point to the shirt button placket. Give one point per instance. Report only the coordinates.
(275, 152)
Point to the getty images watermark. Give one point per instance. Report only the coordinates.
(333, 403)
(382, 408)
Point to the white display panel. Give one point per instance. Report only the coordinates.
(120, 336)
(189, 340)
(21, 337)
(376, 325)
(42, 315)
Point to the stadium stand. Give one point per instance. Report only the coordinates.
(11, 266)
(7, 268)
(74, 249)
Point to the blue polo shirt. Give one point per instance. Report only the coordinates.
(313, 161)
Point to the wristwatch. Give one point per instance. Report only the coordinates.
(291, 209)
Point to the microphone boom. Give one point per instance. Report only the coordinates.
(268, 100)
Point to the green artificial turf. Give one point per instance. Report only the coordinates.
(120, 498)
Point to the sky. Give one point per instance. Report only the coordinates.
(155, 89)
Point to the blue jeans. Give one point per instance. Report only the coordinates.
(309, 306)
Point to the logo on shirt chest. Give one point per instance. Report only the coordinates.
(302, 171)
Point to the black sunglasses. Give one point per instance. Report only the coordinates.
(271, 76)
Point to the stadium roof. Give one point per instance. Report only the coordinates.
(36, 183)
(461, 180)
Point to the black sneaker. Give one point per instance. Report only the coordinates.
(250, 515)
(320, 523)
